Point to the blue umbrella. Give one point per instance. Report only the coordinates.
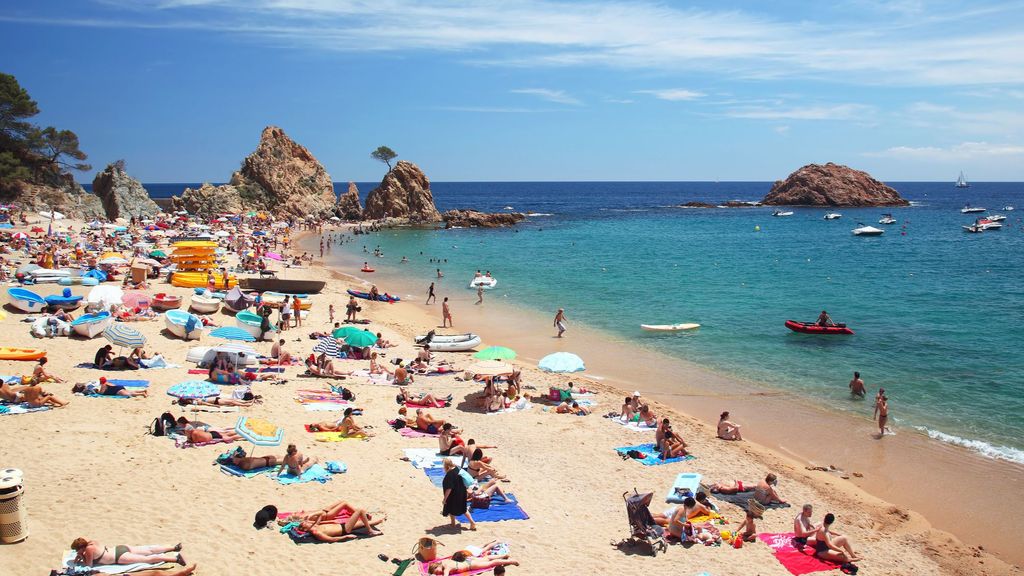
(328, 346)
(123, 336)
(561, 362)
(233, 333)
(194, 389)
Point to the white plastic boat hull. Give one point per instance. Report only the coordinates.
(483, 282)
(204, 305)
(92, 329)
(867, 231)
(455, 346)
(179, 330)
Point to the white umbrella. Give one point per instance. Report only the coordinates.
(106, 295)
(279, 225)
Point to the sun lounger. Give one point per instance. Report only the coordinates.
(685, 481)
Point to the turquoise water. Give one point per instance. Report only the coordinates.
(937, 312)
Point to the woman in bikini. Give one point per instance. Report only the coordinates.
(217, 401)
(376, 367)
(40, 375)
(461, 562)
(295, 463)
(200, 436)
(326, 531)
(765, 491)
(672, 446)
(831, 546)
(734, 487)
(422, 399)
(479, 469)
(92, 553)
(728, 430)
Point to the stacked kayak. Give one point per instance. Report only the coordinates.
(380, 297)
(26, 300)
(813, 328)
(194, 261)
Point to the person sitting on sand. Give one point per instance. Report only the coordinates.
(479, 469)
(92, 553)
(647, 417)
(40, 375)
(747, 530)
(659, 433)
(295, 463)
(428, 423)
(765, 492)
(326, 531)
(728, 430)
(346, 425)
(402, 376)
(103, 356)
(424, 354)
(382, 343)
(277, 352)
(831, 546)
(672, 446)
(572, 408)
(34, 395)
(824, 319)
(422, 399)
(449, 441)
(803, 528)
(693, 509)
(628, 410)
(376, 367)
(462, 562)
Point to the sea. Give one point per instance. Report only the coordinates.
(938, 313)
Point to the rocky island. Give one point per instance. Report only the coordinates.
(831, 185)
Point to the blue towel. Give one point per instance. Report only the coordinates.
(236, 471)
(129, 383)
(315, 473)
(267, 370)
(435, 475)
(652, 458)
(498, 511)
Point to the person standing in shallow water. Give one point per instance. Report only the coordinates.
(857, 389)
(479, 294)
(560, 322)
(446, 315)
(430, 294)
(882, 412)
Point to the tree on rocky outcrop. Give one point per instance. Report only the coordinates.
(385, 155)
(55, 144)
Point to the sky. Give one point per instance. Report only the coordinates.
(534, 90)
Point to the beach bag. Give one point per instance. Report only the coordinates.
(160, 425)
(426, 548)
(554, 394)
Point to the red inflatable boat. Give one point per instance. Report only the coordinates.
(812, 328)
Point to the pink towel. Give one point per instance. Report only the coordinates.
(414, 433)
(425, 567)
(436, 404)
(797, 560)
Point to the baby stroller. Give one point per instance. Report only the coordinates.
(643, 530)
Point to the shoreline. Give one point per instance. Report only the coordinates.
(910, 469)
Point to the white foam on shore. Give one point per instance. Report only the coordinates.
(532, 214)
(984, 448)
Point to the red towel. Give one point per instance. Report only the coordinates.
(797, 560)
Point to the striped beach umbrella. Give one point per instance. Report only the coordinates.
(194, 389)
(561, 362)
(495, 353)
(259, 431)
(327, 346)
(233, 333)
(123, 336)
(361, 339)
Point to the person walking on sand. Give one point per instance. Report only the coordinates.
(882, 412)
(560, 322)
(446, 315)
(857, 389)
(430, 294)
(479, 294)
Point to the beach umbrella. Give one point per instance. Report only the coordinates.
(222, 233)
(113, 261)
(361, 339)
(490, 368)
(495, 353)
(194, 389)
(259, 431)
(345, 331)
(121, 335)
(105, 295)
(233, 333)
(158, 254)
(327, 346)
(335, 219)
(19, 235)
(561, 362)
(135, 300)
(147, 262)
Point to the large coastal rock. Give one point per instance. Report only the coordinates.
(832, 185)
(403, 193)
(281, 177)
(54, 191)
(122, 196)
(474, 219)
(348, 207)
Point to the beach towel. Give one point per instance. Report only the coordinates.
(129, 383)
(651, 457)
(415, 433)
(513, 408)
(686, 481)
(214, 409)
(23, 408)
(266, 370)
(740, 499)
(435, 475)
(325, 407)
(798, 559)
(197, 371)
(335, 437)
(417, 404)
(423, 457)
(315, 473)
(69, 558)
(233, 470)
(498, 511)
(634, 426)
(94, 395)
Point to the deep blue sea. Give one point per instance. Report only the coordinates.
(938, 313)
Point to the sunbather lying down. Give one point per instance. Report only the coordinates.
(465, 561)
(240, 460)
(572, 408)
(346, 425)
(326, 526)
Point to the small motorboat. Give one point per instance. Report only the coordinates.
(814, 328)
(1007, 208)
(92, 325)
(780, 213)
(995, 217)
(485, 282)
(163, 301)
(833, 216)
(380, 297)
(449, 343)
(987, 224)
(668, 327)
(64, 301)
(974, 229)
(971, 209)
(251, 323)
(9, 353)
(45, 275)
(887, 219)
(183, 325)
(203, 304)
(26, 300)
(276, 300)
(867, 231)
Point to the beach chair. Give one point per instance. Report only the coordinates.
(643, 530)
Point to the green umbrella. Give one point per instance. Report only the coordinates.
(345, 331)
(361, 339)
(495, 353)
(158, 254)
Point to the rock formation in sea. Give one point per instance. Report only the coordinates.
(122, 196)
(281, 177)
(474, 219)
(832, 185)
(404, 193)
(348, 207)
(727, 204)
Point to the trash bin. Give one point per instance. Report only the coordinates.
(13, 526)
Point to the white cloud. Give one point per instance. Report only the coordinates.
(958, 152)
(858, 112)
(971, 44)
(783, 130)
(673, 94)
(557, 96)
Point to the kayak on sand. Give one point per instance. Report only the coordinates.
(812, 328)
(380, 297)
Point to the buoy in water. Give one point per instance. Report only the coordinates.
(757, 228)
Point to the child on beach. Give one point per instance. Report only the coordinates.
(330, 314)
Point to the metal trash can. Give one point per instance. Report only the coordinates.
(13, 525)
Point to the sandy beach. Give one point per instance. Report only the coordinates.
(92, 470)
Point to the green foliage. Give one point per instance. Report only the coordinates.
(15, 107)
(54, 144)
(11, 168)
(384, 154)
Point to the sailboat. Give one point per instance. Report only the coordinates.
(961, 182)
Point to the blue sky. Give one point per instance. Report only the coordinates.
(532, 90)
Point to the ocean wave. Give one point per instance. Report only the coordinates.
(532, 214)
(984, 448)
(625, 209)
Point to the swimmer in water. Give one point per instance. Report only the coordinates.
(857, 389)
